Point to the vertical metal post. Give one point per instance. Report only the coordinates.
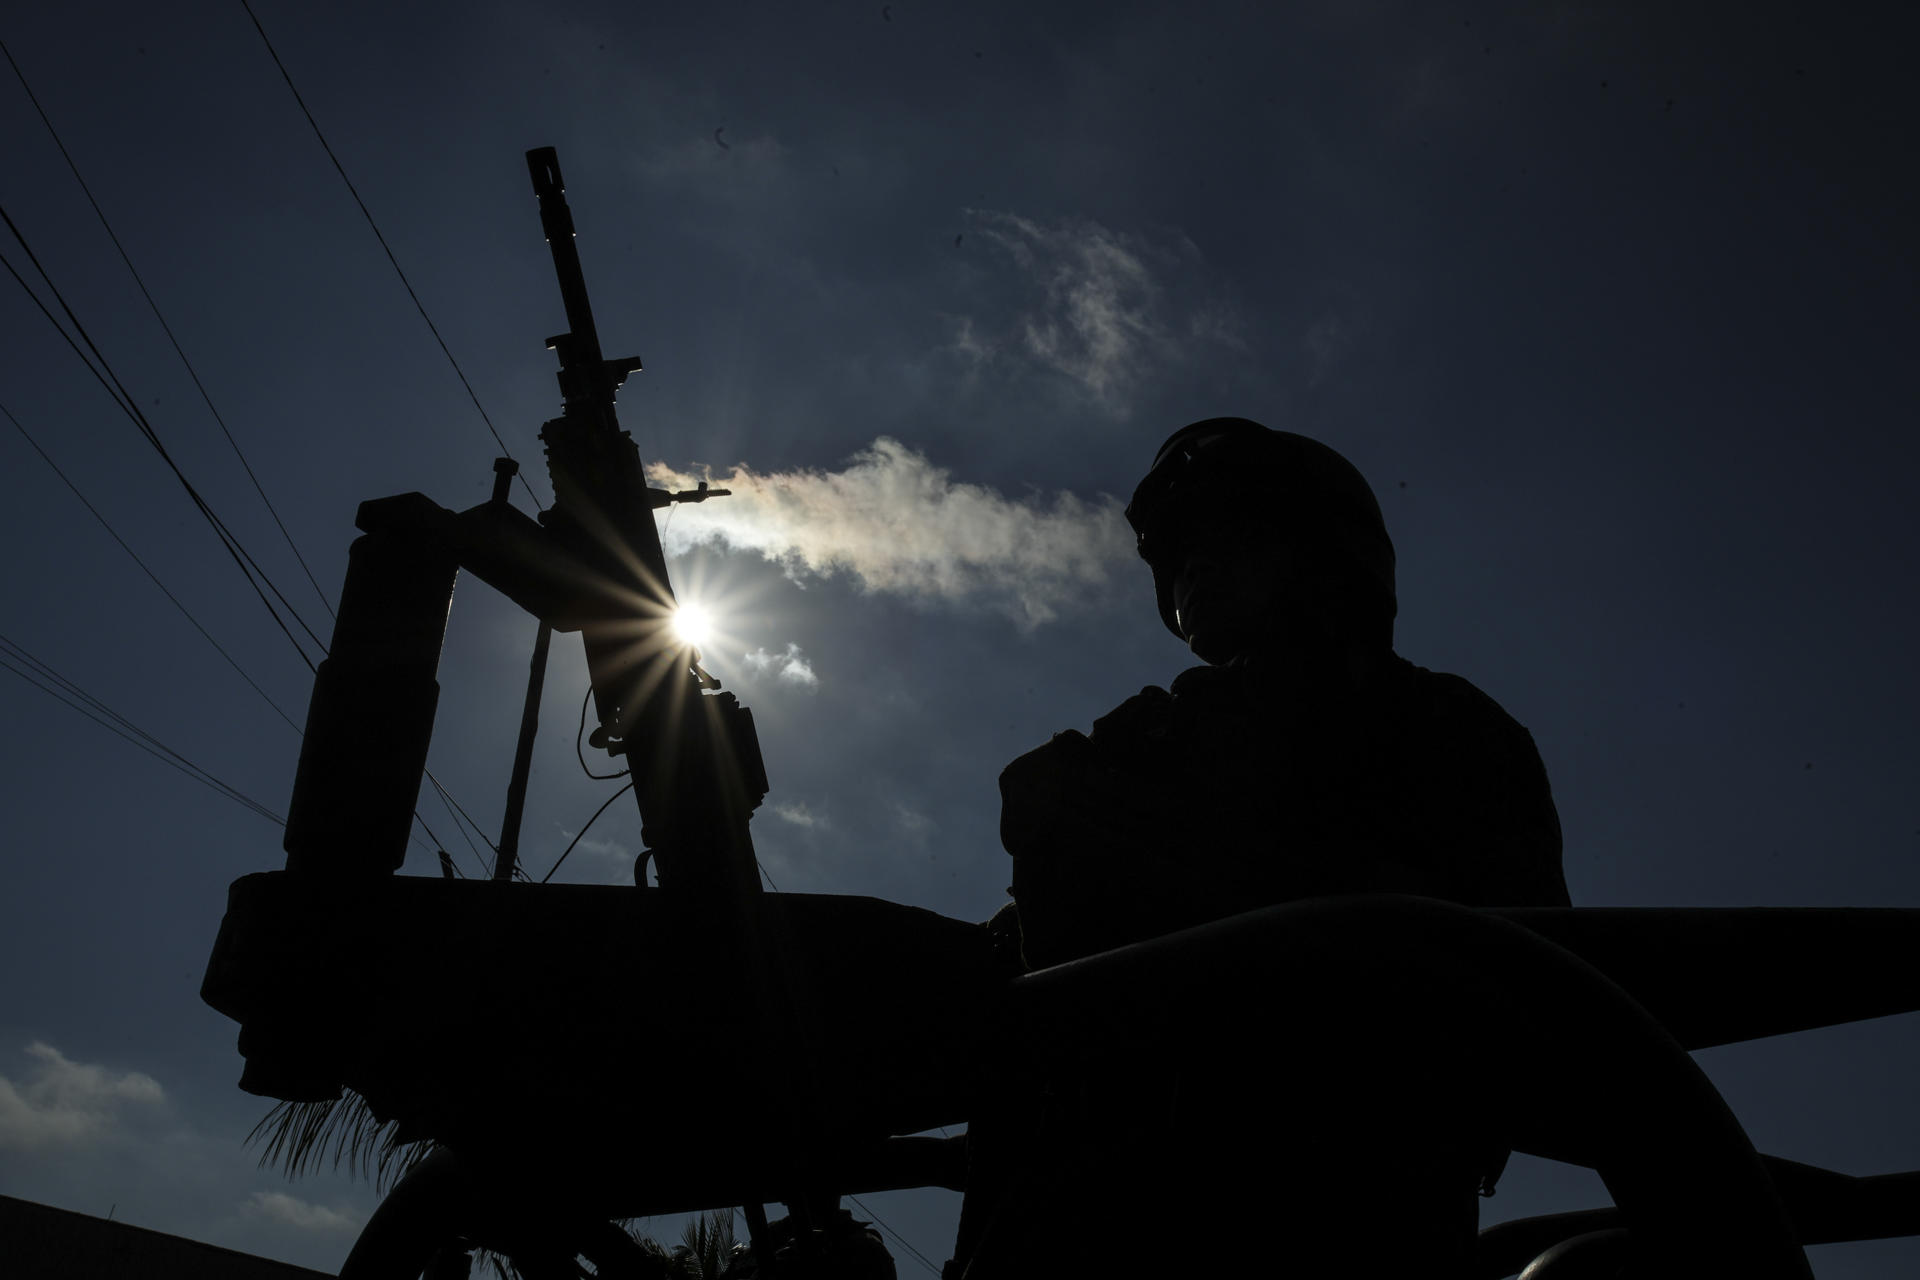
(504, 469)
(523, 757)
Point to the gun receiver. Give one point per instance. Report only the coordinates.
(688, 751)
(694, 757)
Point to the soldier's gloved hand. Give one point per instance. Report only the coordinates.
(1090, 845)
(1067, 795)
(1144, 717)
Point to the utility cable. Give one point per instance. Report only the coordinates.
(387, 249)
(165, 327)
(121, 397)
(581, 755)
(118, 393)
(451, 805)
(477, 828)
(583, 830)
(51, 682)
(437, 845)
(919, 1257)
(153, 577)
(187, 613)
(418, 305)
(447, 804)
(116, 390)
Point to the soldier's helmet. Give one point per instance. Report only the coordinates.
(1273, 481)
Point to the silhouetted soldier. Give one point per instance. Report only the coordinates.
(1306, 759)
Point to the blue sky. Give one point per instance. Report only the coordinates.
(1615, 307)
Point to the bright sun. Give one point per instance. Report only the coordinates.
(693, 624)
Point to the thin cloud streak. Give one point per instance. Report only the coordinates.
(901, 525)
(302, 1215)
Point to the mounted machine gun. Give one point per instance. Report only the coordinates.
(316, 962)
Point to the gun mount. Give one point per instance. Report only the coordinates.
(595, 1111)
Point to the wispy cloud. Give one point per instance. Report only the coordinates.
(897, 523)
(801, 816)
(63, 1102)
(789, 667)
(912, 823)
(1095, 312)
(87, 1135)
(300, 1214)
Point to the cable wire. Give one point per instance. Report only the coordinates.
(446, 802)
(103, 373)
(250, 568)
(165, 327)
(121, 397)
(455, 812)
(153, 577)
(581, 755)
(49, 681)
(385, 248)
(919, 1257)
(583, 830)
(175, 600)
(118, 393)
(477, 828)
(436, 845)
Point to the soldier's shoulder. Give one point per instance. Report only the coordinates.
(1452, 701)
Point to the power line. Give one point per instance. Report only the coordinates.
(429, 830)
(116, 390)
(477, 828)
(124, 402)
(451, 805)
(249, 567)
(153, 577)
(165, 327)
(583, 831)
(118, 393)
(385, 248)
(187, 613)
(447, 804)
(44, 678)
(919, 1257)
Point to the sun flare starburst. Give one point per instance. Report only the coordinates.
(693, 624)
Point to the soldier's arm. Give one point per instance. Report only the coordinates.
(1495, 810)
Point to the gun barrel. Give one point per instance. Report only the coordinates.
(556, 219)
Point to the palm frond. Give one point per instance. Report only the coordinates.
(709, 1238)
(636, 1228)
(303, 1137)
(299, 1136)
